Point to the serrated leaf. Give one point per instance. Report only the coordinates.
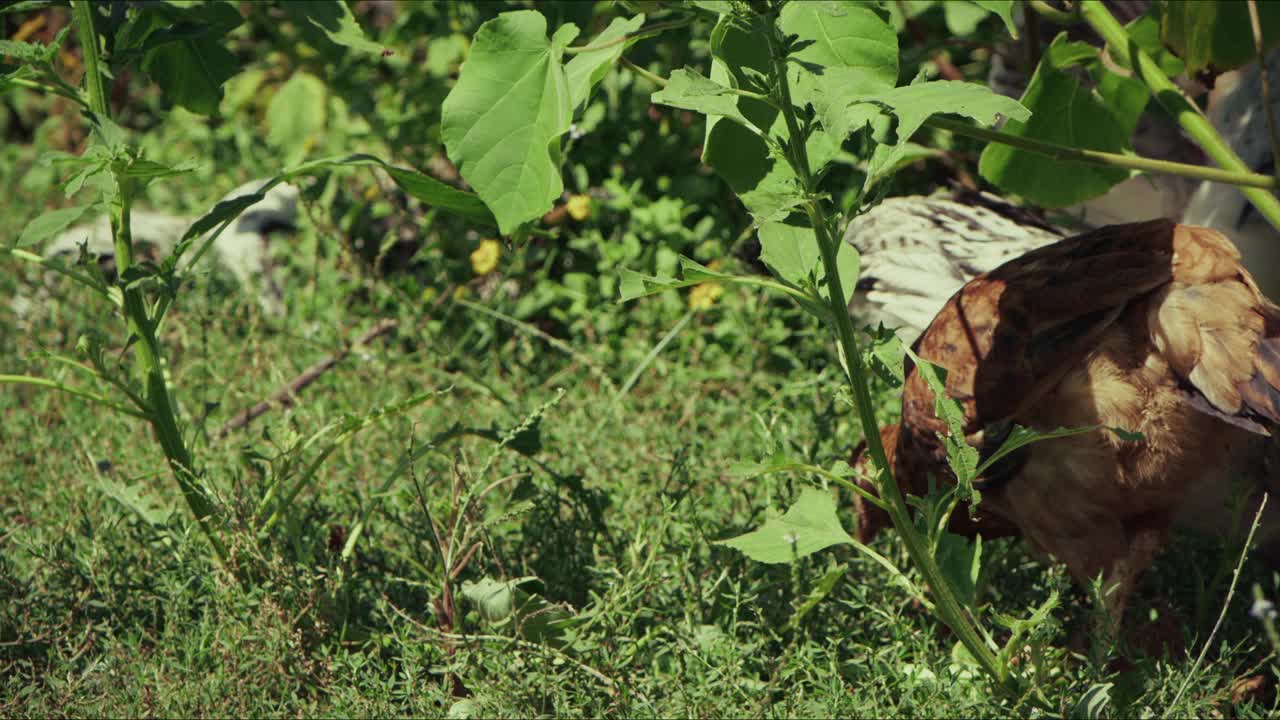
(688, 90)
(634, 285)
(884, 355)
(296, 116)
(586, 69)
(334, 18)
(503, 120)
(33, 53)
(1065, 113)
(808, 526)
(847, 50)
(916, 103)
(51, 223)
(961, 457)
(1020, 437)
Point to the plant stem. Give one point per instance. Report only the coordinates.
(85, 394)
(1097, 157)
(1053, 14)
(1125, 50)
(1264, 76)
(160, 407)
(947, 604)
(88, 34)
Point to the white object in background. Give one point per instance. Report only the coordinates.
(241, 248)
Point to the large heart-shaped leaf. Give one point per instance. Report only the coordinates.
(502, 122)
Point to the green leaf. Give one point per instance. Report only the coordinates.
(963, 17)
(503, 602)
(1217, 34)
(1145, 31)
(296, 116)
(25, 5)
(688, 90)
(151, 170)
(1002, 8)
(820, 591)
(33, 53)
(334, 18)
(791, 251)
(50, 224)
(421, 186)
(223, 211)
(137, 499)
(634, 285)
(1021, 437)
(809, 526)
(913, 104)
(758, 174)
(185, 56)
(961, 457)
(10, 73)
(1093, 703)
(1066, 113)
(503, 120)
(847, 50)
(960, 560)
(587, 68)
(884, 355)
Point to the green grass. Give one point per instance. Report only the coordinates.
(615, 514)
(111, 602)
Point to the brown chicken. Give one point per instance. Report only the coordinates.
(1150, 327)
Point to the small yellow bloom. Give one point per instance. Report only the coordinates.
(460, 292)
(485, 257)
(371, 192)
(579, 207)
(704, 295)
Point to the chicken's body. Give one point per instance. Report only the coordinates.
(1150, 327)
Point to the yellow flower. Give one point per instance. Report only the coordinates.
(485, 257)
(579, 207)
(704, 295)
(460, 292)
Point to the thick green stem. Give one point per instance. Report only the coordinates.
(1175, 102)
(1097, 157)
(160, 407)
(948, 605)
(88, 34)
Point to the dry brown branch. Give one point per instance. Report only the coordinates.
(284, 397)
